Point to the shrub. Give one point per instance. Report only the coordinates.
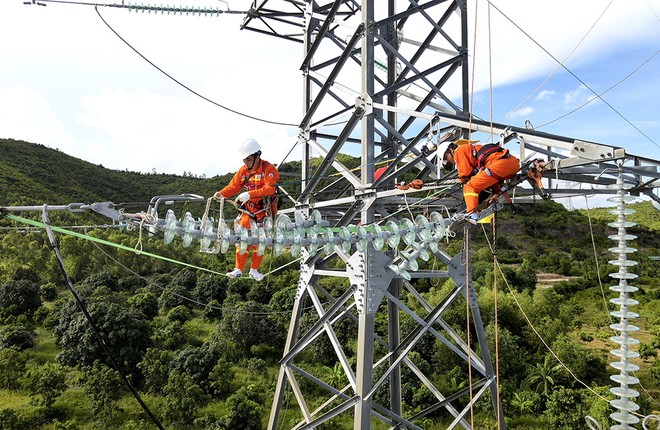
(9, 420)
(102, 279)
(47, 381)
(48, 292)
(131, 283)
(213, 311)
(585, 337)
(182, 399)
(179, 313)
(16, 336)
(174, 296)
(147, 303)
(12, 367)
(565, 409)
(19, 297)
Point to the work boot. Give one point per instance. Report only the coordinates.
(254, 273)
(472, 218)
(236, 273)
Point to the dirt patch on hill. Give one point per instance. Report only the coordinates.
(547, 280)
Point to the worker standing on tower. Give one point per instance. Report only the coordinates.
(257, 179)
(480, 167)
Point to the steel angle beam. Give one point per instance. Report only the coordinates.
(331, 78)
(288, 19)
(596, 152)
(322, 32)
(332, 153)
(343, 170)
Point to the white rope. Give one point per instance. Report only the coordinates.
(149, 219)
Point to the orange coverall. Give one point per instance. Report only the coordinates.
(496, 167)
(260, 181)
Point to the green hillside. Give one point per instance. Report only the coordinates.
(203, 351)
(33, 174)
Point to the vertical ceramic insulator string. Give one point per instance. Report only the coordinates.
(625, 403)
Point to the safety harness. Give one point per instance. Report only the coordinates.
(482, 155)
(266, 205)
(484, 152)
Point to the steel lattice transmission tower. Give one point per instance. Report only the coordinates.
(374, 78)
(388, 80)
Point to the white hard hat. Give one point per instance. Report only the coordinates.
(442, 148)
(249, 147)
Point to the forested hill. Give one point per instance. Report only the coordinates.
(33, 174)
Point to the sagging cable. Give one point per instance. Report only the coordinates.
(99, 336)
(104, 242)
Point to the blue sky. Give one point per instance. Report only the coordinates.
(69, 83)
(553, 108)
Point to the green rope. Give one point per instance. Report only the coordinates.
(105, 242)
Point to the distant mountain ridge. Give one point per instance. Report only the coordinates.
(33, 174)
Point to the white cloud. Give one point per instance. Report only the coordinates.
(521, 113)
(545, 95)
(577, 97)
(25, 113)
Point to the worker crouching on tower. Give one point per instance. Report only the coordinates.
(480, 167)
(257, 179)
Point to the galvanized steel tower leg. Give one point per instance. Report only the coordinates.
(364, 370)
(365, 355)
(394, 340)
(280, 389)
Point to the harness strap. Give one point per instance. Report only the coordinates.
(493, 175)
(484, 152)
(265, 204)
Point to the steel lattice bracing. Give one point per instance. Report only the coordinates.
(387, 80)
(358, 61)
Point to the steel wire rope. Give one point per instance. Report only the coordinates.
(123, 247)
(420, 203)
(181, 296)
(188, 299)
(604, 92)
(496, 319)
(552, 352)
(466, 228)
(600, 283)
(593, 245)
(542, 84)
(494, 225)
(69, 227)
(574, 75)
(95, 239)
(99, 336)
(184, 85)
(129, 6)
(467, 256)
(333, 175)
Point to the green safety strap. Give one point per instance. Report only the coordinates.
(104, 242)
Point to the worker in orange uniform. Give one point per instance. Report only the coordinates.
(257, 179)
(480, 167)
